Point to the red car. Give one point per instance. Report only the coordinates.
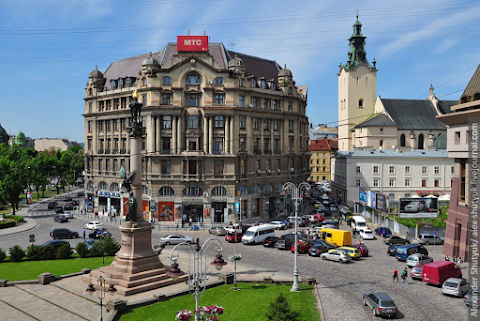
(303, 247)
(362, 248)
(233, 237)
(319, 217)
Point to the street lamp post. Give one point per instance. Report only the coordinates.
(199, 278)
(240, 209)
(101, 292)
(297, 192)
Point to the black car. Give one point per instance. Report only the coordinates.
(52, 205)
(392, 249)
(59, 210)
(394, 239)
(60, 219)
(284, 244)
(75, 203)
(54, 243)
(99, 234)
(63, 233)
(325, 243)
(317, 249)
(270, 241)
(81, 193)
(68, 199)
(68, 207)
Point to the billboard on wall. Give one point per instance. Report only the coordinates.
(363, 196)
(382, 203)
(192, 43)
(418, 207)
(371, 199)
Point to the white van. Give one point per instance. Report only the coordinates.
(359, 223)
(256, 234)
(414, 207)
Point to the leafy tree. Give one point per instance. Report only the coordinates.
(3, 255)
(110, 246)
(34, 252)
(64, 252)
(280, 310)
(97, 249)
(16, 253)
(82, 249)
(13, 173)
(49, 253)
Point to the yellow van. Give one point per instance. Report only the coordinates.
(336, 237)
(354, 253)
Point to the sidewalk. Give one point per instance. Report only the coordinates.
(28, 225)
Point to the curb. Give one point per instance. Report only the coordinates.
(23, 230)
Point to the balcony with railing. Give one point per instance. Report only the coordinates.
(165, 151)
(267, 151)
(100, 151)
(277, 151)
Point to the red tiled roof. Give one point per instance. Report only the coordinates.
(323, 144)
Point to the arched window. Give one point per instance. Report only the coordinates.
(381, 143)
(218, 81)
(219, 191)
(464, 99)
(193, 80)
(144, 190)
(102, 186)
(243, 190)
(90, 186)
(166, 191)
(360, 103)
(268, 188)
(114, 187)
(167, 80)
(192, 191)
(402, 140)
(279, 188)
(89, 91)
(420, 141)
(256, 189)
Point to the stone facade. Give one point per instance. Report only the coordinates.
(321, 151)
(219, 127)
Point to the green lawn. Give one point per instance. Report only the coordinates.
(249, 303)
(28, 270)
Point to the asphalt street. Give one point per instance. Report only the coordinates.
(341, 286)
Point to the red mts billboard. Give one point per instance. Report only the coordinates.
(192, 43)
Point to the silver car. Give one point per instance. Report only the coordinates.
(455, 286)
(418, 258)
(381, 304)
(338, 256)
(176, 239)
(469, 297)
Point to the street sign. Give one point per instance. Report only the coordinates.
(32, 238)
(434, 233)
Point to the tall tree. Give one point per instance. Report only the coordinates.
(280, 310)
(13, 173)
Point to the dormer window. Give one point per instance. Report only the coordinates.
(128, 82)
(360, 103)
(253, 82)
(262, 83)
(167, 80)
(241, 82)
(271, 85)
(120, 83)
(113, 84)
(218, 81)
(193, 80)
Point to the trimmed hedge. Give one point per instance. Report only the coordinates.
(7, 224)
(16, 218)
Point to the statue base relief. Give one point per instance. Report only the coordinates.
(136, 267)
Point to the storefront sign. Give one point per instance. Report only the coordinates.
(192, 43)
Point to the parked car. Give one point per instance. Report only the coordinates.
(75, 203)
(303, 247)
(383, 231)
(68, 214)
(233, 237)
(52, 205)
(392, 249)
(333, 223)
(438, 272)
(468, 298)
(325, 243)
(417, 272)
(316, 249)
(233, 228)
(456, 287)
(367, 234)
(176, 239)
(89, 243)
(284, 244)
(60, 218)
(404, 251)
(362, 248)
(395, 240)
(94, 225)
(418, 258)
(55, 243)
(381, 304)
(270, 241)
(336, 255)
(430, 239)
(63, 233)
(80, 193)
(58, 209)
(279, 225)
(217, 230)
(68, 207)
(351, 251)
(67, 198)
(99, 234)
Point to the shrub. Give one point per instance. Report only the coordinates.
(82, 250)
(7, 224)
(97, 249)
(110, 245)
(16, 253)
(280, 310)
(48, 253)
(16, 218)
(3, 255)
(64, 252)
(34, 252)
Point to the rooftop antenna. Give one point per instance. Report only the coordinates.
(204, 32)
(188, 33)
(232, 45)
(357, 13)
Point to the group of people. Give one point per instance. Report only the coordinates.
(404, 276)
(456, 259)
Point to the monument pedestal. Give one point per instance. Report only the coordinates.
(136, 267)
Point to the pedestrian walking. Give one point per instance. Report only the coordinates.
(447, 258)
(395, 276)
(83, 233)
(406, 235)
(183, 223)
(190, 221)
(460, 261)
(404, 276)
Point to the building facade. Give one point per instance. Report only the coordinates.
(62, 144)
(320, 159)
(462, 122)
(323, 131)
(395, 174)
(223, 132)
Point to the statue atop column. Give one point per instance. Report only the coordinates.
(136, 120)
(127, 188)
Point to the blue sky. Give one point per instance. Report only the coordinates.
(48, 47)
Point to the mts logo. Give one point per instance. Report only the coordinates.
(192, 42)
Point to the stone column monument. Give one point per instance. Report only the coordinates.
(136, 267)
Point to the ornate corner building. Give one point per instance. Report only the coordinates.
(223, 131)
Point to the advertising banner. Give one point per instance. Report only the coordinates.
(418, 207)
(382, 203)
(192, 43)
(371, 199)
(363, 196)
(166, 211)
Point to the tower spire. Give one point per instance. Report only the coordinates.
(357, 55)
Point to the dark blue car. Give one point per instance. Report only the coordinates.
(99, 234)
(383, 231)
